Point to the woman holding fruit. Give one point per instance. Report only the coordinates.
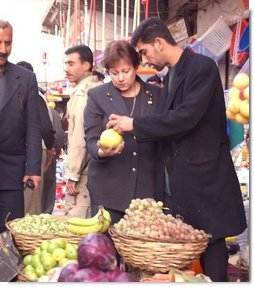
(116, 175)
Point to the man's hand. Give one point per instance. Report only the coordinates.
(71, 187)
(35, 178)
(120, 123)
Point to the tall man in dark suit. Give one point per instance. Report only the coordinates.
(203, 186)
(20, 134)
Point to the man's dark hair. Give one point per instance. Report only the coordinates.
(85, 54)
(118, 50)
(26, 65)
(154, 78)
(150, 29)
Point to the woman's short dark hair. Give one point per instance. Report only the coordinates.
(150, 29)
(119, 50)
(85, 54)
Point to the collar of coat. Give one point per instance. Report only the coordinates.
(87, 81)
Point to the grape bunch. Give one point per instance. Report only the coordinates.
(43, 223)
(145, 218)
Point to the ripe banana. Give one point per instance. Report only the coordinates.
(84, 221)
(106, 221)
(105, 213)
(106, 225)
(83, 230)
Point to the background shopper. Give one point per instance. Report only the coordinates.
(20, 134)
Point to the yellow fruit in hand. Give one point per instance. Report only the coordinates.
(245, 109)
(110, 138)
(233, 93)
(246, 93)
(230, 115)
(241, 81)
(234, 105)
(241, 119)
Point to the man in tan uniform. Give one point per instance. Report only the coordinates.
(79, 63)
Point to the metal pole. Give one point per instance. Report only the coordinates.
(115, 19)
(103, 25)
(127, 20)
(122, 17)
(94, 22)
(85, 20)
(90, 24)
(135, 16)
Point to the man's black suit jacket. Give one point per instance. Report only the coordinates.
(20, 132)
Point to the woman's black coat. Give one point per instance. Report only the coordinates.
(115, 181)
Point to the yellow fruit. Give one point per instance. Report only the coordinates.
(58, 254)
(39, 270)
(245, 109)
(241, 119)
(71, 251)
(52, 104)
(83, 230)
(230, 115)
(233, 93)
(246, 93)
(234, 105)
(84, 221)
(241, 81)
(27, 259)
(110, 138)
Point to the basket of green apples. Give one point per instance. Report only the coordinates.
(48, 258)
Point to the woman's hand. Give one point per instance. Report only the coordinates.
(106, 152)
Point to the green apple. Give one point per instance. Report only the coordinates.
(37, 250)
(31, 275)
(48, 262)
(71, 251)
(110, 138)
(52, 246)
(43, 254)
(64, 262)
(61, 242)
(59, 254)
(39, 270)
(28, 268)
(27, 259)
(35, 260)
(44, 244)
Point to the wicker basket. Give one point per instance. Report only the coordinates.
(155, 256)
(27, 242)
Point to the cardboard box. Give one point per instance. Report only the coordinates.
(10, 258)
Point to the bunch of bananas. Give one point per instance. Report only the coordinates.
(100, 222)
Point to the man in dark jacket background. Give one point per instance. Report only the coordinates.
(20, 134)
(202, 183)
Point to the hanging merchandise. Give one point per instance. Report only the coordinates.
(217, 38)
(237, 56)
(244, 41)
(197, 47)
